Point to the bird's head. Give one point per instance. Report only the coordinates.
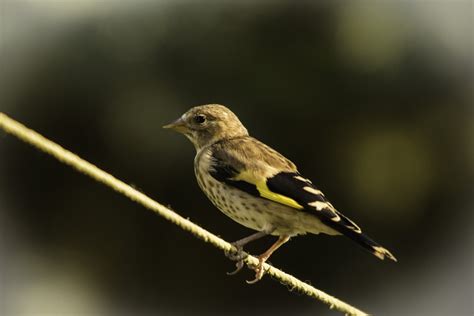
(206, 124)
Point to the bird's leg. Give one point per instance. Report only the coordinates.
(264, 257)
(239, 256)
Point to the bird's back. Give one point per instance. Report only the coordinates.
(251, 154)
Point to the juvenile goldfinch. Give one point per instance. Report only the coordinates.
(257, 187)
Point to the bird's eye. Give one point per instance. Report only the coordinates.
(200, 119)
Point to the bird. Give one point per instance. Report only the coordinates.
(258, 187)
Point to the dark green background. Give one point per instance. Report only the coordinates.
(370, 100)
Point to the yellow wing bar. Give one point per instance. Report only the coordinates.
(265, 192)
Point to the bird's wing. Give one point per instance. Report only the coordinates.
(255, 168)
(312, 200)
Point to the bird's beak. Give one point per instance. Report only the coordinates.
(177, 125)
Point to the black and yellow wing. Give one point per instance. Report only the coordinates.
(257, 169)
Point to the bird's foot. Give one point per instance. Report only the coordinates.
(238, 256)
(259, 271)
(239, 265)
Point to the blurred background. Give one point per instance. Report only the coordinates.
(371, 99)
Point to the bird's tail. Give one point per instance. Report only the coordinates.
(367, 243)
(349, 229)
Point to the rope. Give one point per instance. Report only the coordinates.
(33, 138)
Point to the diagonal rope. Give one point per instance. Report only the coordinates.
(33, 138)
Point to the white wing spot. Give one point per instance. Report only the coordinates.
(326, 205)
(302, 179)
(355, 228)
(318, 205)
(313, 190)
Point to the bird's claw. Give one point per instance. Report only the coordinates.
(259, 272)
(239, 264)
(238, 256)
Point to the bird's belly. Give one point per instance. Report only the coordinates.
(258, 213)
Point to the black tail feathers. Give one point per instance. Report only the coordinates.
(367, 243)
